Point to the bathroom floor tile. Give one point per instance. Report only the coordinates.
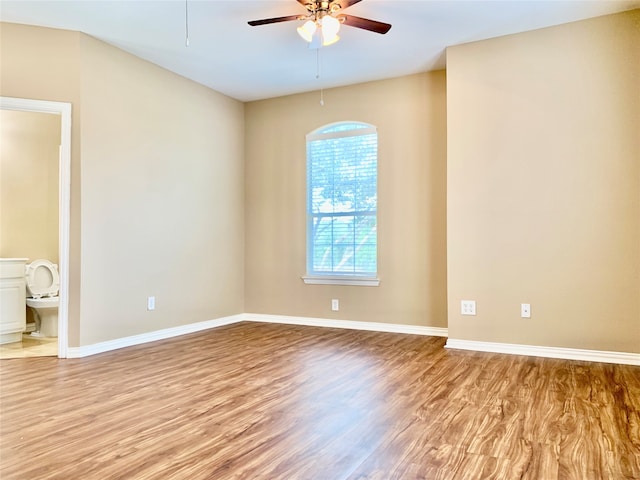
(30, 347)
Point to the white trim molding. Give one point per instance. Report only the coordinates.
(84, 351)
(64, 201)
(549, 352)
(107, 346)
(349, 280)
(506, 348)
(347, 324)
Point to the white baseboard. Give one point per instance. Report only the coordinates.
(347, 324)
(549, 352)
(508, 348)
(101, 347)
(84, 351)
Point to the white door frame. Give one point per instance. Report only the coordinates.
(64, 110)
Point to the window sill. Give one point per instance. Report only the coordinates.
(341, 280)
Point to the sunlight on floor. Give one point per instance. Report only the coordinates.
(30, 347)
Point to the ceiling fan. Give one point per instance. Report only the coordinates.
(323, 20)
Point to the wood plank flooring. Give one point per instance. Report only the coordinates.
(262, 401)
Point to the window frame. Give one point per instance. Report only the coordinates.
(335, 278)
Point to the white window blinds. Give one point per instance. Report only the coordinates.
(342, 175)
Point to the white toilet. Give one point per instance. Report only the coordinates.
(43, 284)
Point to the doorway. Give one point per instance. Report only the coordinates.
(64, 206)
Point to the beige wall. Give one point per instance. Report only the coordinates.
(161, 169)
(29, 161)
(544, 186)
(162, 197)
(44, 64)
(410, 115)
(522, 172)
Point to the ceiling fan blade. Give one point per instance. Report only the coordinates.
(366, 24)
(266, 21)
(346, 3)
(308, 4)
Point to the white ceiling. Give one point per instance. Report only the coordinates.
(250, 63)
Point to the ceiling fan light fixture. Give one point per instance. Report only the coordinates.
(330, 41)
(322, 21)
(307, 30)
(330, 28)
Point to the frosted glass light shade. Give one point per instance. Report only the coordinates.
(330, 27)
(307, 30)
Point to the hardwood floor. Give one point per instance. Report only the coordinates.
(263, 401)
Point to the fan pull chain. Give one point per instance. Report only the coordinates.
(186, 22)
(318, 64)
(318, 71)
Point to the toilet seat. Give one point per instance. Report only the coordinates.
(42, 279)
(43, 302)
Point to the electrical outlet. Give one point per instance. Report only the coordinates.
(151, 303)
(468, 307)
(525, 310)
(335, 304)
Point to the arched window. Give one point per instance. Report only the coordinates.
(342, 203)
